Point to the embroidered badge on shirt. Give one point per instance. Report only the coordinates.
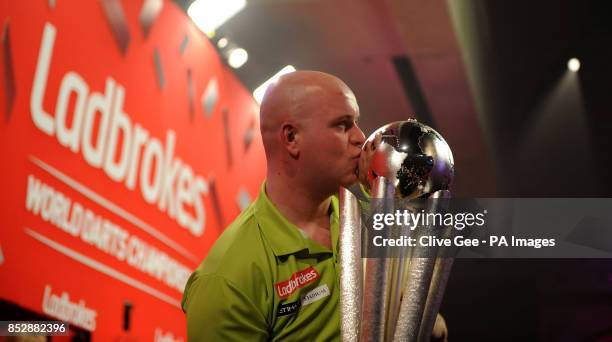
(288, 308)
(315, 294)
(298, 280)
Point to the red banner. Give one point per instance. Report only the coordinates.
(128, 146)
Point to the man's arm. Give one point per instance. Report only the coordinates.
(219, 311)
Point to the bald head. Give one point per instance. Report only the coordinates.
(310, 134)
(294, 98)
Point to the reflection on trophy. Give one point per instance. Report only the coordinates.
(395, 297)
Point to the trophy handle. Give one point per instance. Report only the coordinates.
(368, 300)
(351, 266)
(422, 296)
(377, 282)
(442, 269)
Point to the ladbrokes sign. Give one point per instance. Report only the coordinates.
(125, 143)
(164, 179)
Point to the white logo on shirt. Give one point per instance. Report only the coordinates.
(315, 294)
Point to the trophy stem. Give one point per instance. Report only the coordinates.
(442, 269)
(436, 292)
(351, 267)
(419, 291)
(414, 299)
(377, 273)
(400, 261)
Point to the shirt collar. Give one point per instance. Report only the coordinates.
(285, 237)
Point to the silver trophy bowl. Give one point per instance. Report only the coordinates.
(413, 157)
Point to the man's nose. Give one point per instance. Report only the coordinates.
(357, 136)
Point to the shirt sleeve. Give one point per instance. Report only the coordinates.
(219, 311)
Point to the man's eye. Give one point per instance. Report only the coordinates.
(345, 125)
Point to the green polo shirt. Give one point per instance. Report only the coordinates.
(265, 280)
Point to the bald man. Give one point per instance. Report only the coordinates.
(273, 273)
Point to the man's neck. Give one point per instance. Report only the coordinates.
(298, 204)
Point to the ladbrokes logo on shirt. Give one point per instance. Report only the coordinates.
(298, 280)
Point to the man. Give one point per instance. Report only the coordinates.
(273, 273)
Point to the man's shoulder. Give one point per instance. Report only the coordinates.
(239, 258)
(240, 245)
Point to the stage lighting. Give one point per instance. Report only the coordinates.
(208, 15)
(261, 90)
(237, 58)
(573, 64)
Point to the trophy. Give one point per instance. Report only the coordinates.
(396, 296)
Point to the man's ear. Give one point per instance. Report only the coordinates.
(290, 138)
